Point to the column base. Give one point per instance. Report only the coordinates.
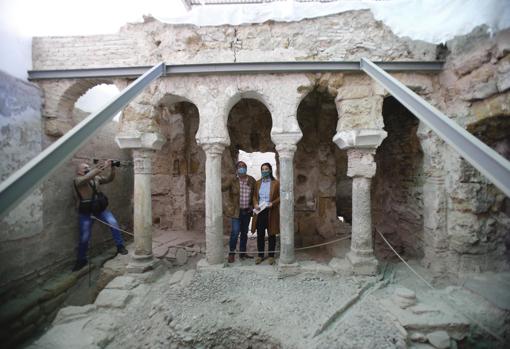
(204, 265)
(141, 263)
(362, 265)
(288, 269)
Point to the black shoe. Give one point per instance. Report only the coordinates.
(122, 250)
(80, 264)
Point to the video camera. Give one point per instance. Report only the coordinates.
(115, 163)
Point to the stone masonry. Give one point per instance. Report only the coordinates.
(405, 182)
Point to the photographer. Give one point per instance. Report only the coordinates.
(93, 202)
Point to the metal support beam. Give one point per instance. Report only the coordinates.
(16, 187)
(484, 159)
(234, 68)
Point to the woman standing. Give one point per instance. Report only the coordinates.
(267, 192)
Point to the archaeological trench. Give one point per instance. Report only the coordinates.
(344, 148)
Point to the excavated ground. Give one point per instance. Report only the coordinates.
(247, 306)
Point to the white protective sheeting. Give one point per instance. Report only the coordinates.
(433, 21)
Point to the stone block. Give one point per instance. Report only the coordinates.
(495, 106)
(465, 64)
(439, 339)
(109, 298)
(51, 305)
(71, 313)
(123, 283)
(62, 283)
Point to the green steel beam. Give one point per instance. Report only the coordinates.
(495, 167)
(21, 183)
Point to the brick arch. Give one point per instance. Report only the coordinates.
(69, 96)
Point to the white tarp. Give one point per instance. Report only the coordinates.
(433, 21)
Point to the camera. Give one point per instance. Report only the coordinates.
(115, 163)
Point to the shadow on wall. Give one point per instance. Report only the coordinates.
(322, 190)
(178, 180)
(397, 188)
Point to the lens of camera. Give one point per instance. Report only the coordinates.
(116, 163)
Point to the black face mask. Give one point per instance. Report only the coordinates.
(86, 171)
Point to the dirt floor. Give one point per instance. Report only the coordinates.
(244, 305)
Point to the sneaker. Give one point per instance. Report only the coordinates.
(122, 250)
(270, 260)
(79, 264)
(231, 258)
(258, 260)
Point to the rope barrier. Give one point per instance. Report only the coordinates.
(499, 338)
(184, 247)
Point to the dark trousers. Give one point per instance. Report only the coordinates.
(86, 230)
(262, 223)
(240, 225)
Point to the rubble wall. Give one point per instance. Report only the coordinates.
(178, 180)
(475, 234)
(345, 36)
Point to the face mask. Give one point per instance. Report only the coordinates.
(86, 171)
(241, 170)
(266, 174)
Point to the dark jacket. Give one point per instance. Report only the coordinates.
(232, 202)
(274, 211)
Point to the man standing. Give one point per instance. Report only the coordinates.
(86, 185)
(239, 208)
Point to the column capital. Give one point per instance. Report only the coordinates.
(281, 138)
(360, 138)
(140, 140)
(361, 162)
(214, 148)
(286, 150)
(142, 160)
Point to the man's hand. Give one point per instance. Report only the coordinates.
(108, 163)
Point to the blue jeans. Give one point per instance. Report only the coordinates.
(86, 222)
(240, 225)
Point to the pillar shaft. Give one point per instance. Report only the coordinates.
(286, 156)
(213, 203)
(142, 219)
(361, 241)
(361, 166)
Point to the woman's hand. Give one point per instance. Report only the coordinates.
(270, 204)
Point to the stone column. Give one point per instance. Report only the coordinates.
(286, 147)
(361, 146)
(142, 207)
(143, 146)
(213, 203)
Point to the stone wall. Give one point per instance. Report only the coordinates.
(320, 173)
(429, 201)
(397, 198)
(345, 36)
(474, 235)
(21, 250)
(39, 237)
(178, 179)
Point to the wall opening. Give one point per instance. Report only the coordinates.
(249, 126)
(178, 180)
(397, 187)
(322, 190)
